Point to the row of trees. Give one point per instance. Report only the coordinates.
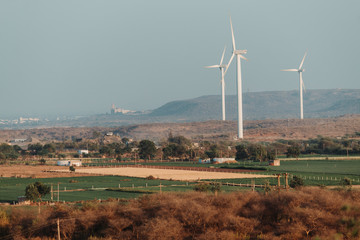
(180, 147)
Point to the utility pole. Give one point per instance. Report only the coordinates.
(58, 228)
(278, 178)
(286, 181)
(52, 193)
(58, 192)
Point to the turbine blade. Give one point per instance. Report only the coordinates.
(222, 57)
(302, 61)
(232, 35)
(212, 66)
(289, 70)
(227, 66)
(241, 56)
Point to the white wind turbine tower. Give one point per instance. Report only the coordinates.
(301, 83)
(222, 81)
(239, 55)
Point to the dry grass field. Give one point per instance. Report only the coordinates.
(181, 175)
(25, 171)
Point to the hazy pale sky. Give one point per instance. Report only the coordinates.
(80, 56)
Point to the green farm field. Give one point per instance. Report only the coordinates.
(91, 187)
(314, 173)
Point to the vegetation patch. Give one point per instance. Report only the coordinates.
(309, 213)
(131, 190)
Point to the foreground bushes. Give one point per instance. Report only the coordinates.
(307, 213)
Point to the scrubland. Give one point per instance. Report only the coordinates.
(308, 213)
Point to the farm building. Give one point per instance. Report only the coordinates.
(69, 163)
(208, 160)
(217, 160)
(83, 152)
(223, 160)
(275, 162)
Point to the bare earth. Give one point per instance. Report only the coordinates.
(24, 171)
(181, 175)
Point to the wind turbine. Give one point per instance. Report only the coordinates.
(239, 54)
(300, 70)
(222, 81)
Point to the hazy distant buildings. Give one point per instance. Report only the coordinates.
(115, 110)
(20, 120)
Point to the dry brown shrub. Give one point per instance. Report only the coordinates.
(151, 177)
(161, 229)
(212, 234)
(307, 213)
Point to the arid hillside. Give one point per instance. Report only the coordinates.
(259, 130)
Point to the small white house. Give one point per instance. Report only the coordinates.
(83, 152)
(77, 163)
(224, 160)
(275, 162)
(217, 160)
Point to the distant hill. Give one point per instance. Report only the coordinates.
(256, 106)
(264, 105)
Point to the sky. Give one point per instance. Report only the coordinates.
(77, 57)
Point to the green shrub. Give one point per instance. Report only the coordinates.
(206, 187)
(296, 182)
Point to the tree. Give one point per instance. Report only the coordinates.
(346, 183)
(72, 168)
(257, 152)
(35, 191)
(293, 151)
(296, 182)
(242, 152)
(213, 152)
(125, 140)
(107, 150)
(8, 152)
(174, 150)
(35, 149)
(147, 149)
(181, 140)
